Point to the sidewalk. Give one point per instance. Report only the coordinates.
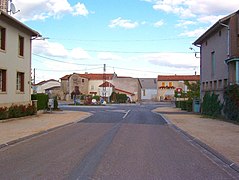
(219, 135)
(15, 129)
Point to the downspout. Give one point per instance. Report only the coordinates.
(228, 46)
(228, 38)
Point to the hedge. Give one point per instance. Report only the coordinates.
(42, 100)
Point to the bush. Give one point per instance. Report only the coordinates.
(42, 100)
(55, 103)
(211, 105)
(231, 102)
(3, 113)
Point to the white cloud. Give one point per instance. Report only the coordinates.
(79, 53)
(159, 23)
(185, 24)
(173, 60)
(58, 50)
(192, 8)
(108, 56)
(194, 33)
(210, 19)
(124, 23)
(43, 9)
(80, 9)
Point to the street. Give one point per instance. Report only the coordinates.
(116, 142)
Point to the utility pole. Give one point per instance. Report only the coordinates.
(104, 80)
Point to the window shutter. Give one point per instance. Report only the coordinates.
(4, 80)
(3, 38)
(22, 82)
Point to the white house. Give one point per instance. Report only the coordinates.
(15, 61)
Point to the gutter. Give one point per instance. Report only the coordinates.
(228, 38)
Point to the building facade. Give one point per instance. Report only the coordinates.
(168, 84)
(149, 89)
(219, 55)
(15, 61)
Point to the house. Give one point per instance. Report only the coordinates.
(51, 87)
(129, 86)
(73, 84)
(15, 61)
(219, 55)
(99, 84)
(149, 89)
(168, 84)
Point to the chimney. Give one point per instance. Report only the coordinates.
(4, 5)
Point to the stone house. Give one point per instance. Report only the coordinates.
(168, 84)
(219, 55)
(15, 61)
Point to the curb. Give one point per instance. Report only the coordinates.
(228, 162)
(41, 133)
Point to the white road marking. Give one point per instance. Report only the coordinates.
(126, 114)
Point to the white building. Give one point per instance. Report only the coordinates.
(15, 61)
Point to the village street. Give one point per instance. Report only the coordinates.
(116, 142)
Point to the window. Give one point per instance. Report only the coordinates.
(210, 88)
(220, 84)
(213, 63)
(163, 83)
(92, 87)
(220, 33)
(82, 80)
(20, 82)
(170, 84)
(2, 80)
(215, 85)
(2, 38)
(144, 94)
(21, 46)
(225, 83)
(203, 86)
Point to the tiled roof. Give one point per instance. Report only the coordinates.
(66, 77)
(91, 76)
(179, 78)
(43, 82)
(97, 76)
(123, 91)
(106, 84)
(148, 83)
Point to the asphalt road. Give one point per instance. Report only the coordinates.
(117, 142)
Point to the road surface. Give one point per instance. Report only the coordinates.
(117, 142)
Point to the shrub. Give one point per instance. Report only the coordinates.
(42, 100)
(55, 103)
(3, 113)
(231, 102)
(211, 105)
(97, 98)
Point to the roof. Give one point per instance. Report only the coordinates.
(44, 82)
(148, 83)
(123, 91)
(179, 78)
(91, 76)
(106, 84)
(17, 24)
(217, 26)
(97, 76)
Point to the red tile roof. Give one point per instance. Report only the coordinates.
(91, 76)
(126, 92)
(97, 76)
(106, 84)
(179, 78)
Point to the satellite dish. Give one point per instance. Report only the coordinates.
(13, 8)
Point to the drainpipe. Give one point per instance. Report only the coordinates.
(228, 45)
(228, 38)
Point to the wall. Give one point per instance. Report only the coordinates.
(10, 61)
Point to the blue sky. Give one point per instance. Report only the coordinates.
(137, 38)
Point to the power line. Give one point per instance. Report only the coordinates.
(64, 61)
(122, 40)
(67, 70)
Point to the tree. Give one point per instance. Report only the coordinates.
(193, 90)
